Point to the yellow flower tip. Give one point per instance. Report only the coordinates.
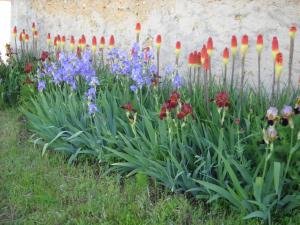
(259, 48)
(209, 52)
(233, 51)
(278, 69)
(225, 61)
(244, 49)
(274, 53)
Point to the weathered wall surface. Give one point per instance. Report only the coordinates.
(190, 21)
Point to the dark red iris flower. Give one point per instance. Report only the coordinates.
(174, 99)
(44, 55)
(222, 99)
(128, 107)
(163, 111)
(186, 109)
(28, 68)
(181, 115)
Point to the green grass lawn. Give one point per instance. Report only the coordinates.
(46, 190)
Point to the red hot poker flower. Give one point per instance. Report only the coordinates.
(94, 41)
(102, 42)
(36, 34)
(28, 68)
(14, 32)
(26, 38)
(204, 54)
(48, 39)
(233, 45)
(55, 42)
(259, 43)
(20, 37)
(206, 62)
(72, 41)
(292, 32)
(210, 46)
(33, 27)
(190, 59)
(63, 40)
(158, 41)
(244, 46)
(138, 27)
(226, 56)
(178, 47)
(222, 99)
(94, 44)
(83, 41)
(275, 47)
(198, 59)
(278, 64)
(112, 41)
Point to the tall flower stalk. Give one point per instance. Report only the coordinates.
(233, 52)
(138, 30)
(48, 41)
(210, 48)
(259, 48)
(292, 34)
(14, 34)
(177, 52)
(206, 67)
(278, 72)
(244, 49)
(102, 45)
(275, 50)
(158, 44)
(225, 62)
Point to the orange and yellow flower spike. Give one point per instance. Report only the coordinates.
(226, 56)
(48, 39)
(259, 43)
(26, 38)
(210, 46)
(178, 48)
(33, 28)
(275, 47)
(292, 32)
(72, 43)
(63, 41)
(94, 44)
(111, 42)
(14, 32)
(278, 64)
(233, 45)
(158, 41)
(245, 45)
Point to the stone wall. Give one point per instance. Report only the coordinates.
(190, 21)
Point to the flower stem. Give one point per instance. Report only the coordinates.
(273, 83)
(278, 90)
(232, 73)
(267, 157)
(258, 82)
(225, 76)
(242, 80)
(290, 64)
